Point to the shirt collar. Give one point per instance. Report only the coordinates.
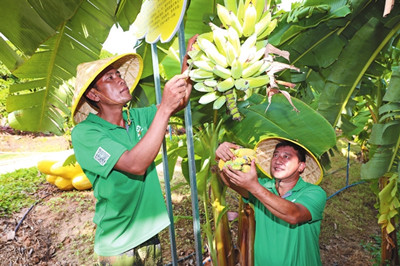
(299, 185)
(98, 120)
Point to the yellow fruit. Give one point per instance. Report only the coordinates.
(81, 182)
(244, 151)
(51, 178)
(246, 168)
(45, 165)
(221, 164)
(63, 183)
(68, 171)
(242, 162)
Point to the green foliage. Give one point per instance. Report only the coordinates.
(6, 80)
(17, 188)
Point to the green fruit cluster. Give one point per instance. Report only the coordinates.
(228, 61)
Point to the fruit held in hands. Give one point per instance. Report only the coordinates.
(242, 161)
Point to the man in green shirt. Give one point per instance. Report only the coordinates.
(288, 208)
(116, 149)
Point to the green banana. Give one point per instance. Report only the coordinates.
(205, 65)
(266, 64)
(262, 25)
(236, 69)
(271, 26)
(225, 84)
(221, 71)
(219, 38)
(240, 11)
(247, 48)
(235, 23)
(200, 74)
(223, 15)
(212, 51)
(260, 6)
(208, 98)
(195, 54)
(219, 102)
(241, 84)
(230, 53)
(251, 69)
(249, 21)
(233, 38)
(255, 82)
(200, 87)
(210, 83)
(258, 55)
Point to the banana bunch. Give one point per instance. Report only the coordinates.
(230, 61)
(64, 177)
(242, 161)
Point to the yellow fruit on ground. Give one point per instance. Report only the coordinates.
(63, 183)
(81, 182)
(51, 179)
(68, 171)
(44, 166)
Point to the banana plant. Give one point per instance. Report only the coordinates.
(383, 165)
(340, 47)
(45, 43)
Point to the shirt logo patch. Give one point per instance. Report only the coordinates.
(139, 130)
(101, 156)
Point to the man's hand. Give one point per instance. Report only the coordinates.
(175, 90)
(247, 181)
(224, 151)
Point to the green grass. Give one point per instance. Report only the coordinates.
(17, 189)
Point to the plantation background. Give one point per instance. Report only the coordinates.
(59, 229)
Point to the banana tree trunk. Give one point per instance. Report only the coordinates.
(223, 238)
(246, 234)
(389, 249)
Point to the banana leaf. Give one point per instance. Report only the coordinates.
(340, 50)
(307, 126)
(385, 136)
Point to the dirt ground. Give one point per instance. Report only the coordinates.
(59, 230)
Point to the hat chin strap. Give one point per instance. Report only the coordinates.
(98, 92)
(128, 118)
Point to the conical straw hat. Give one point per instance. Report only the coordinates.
(266, 147)
(129, 65)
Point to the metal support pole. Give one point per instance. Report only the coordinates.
(191, 161)
(348, 164)
(156, 73)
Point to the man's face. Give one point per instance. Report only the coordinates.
(285, 164)
(112, 88)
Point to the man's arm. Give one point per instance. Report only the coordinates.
(290, 212)
(138, 159)
(176, 95)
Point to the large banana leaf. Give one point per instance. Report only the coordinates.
(337, 53)
(38, 104)
(307, 126)
(27, 24)
(54, 37)
(385, 136)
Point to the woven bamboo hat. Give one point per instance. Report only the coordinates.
(129, 65)
(266, 147)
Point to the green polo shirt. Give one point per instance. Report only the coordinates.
(130, 209)
(280, 243)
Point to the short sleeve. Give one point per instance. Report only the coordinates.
(94, 150)
(314, 199)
